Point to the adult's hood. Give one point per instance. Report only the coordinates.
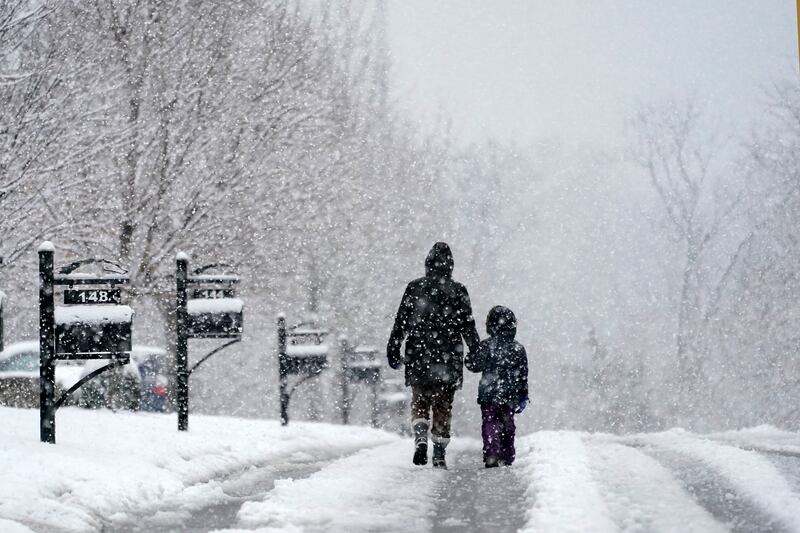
(439, 262)
(501, 322)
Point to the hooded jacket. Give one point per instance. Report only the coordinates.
(502, 361)
(435, 314)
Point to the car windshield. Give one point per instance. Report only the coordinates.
(24, 362)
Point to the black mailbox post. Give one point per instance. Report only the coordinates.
(93, 324)
(360, 364)
(302, 352)
(209, 311)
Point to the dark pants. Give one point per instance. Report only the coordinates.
(498, 432)
(437, 400)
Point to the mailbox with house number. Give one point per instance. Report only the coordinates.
(360, 365)
(214, 318)
(302, 351)
(210, 310)
(92, 324)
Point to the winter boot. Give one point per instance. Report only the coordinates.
(438, 456)
(421, 442)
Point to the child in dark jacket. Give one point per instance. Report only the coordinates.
(503, 390)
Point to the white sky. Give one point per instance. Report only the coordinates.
(570, 69)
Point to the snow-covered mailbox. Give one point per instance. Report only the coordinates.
(393, 404)
(210, 310)
(213, 317)
(92, 324)
(359, 365)
(302, 351)
(93, 331)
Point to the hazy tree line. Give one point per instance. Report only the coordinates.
(659, 279)
(656, 284)
(255, 133)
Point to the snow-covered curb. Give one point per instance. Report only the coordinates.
(108, 467)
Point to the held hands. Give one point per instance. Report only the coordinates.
(393, 354)
(523, 403)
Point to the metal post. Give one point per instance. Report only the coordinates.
(2, 328)
(283, 372)
(374, 414)
(47, 341)
(182, 345)
(344, 349)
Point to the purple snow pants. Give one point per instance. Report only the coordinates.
(498, 432)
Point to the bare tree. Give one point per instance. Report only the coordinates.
(680, 151)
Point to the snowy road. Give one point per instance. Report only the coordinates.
(471, 497)
(564, 481)
(232, 475)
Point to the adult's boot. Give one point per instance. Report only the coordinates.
(438, 456)
(420, 442)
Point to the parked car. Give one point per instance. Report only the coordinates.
(142, 384)
(19, 375)
(152, 364)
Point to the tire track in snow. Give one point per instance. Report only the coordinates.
(751, 475)
(473, 498)
(642, 495)
(376, 489)
(235, 489)
(716, 494)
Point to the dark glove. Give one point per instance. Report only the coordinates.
(393, 354)
(523, 403)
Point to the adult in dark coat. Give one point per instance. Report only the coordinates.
(435, 319)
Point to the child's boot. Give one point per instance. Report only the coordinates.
(438, 454)
(420, 442)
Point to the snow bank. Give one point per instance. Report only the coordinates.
(762, 438)
(374, 490)
(109, 467)
(562, 489)
(752, 474)
(7, 526)
(17, 348)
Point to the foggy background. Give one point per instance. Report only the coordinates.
(620, 174)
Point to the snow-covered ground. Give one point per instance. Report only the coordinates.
(135, 472)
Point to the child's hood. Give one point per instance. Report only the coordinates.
(502, 323)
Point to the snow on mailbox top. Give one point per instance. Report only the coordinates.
(306, 350)
(366, 363)
(365, 349)
(301, 331)
(222, 278)
(93, 314)
(201, 306)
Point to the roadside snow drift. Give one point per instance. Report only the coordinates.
(109, 467)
